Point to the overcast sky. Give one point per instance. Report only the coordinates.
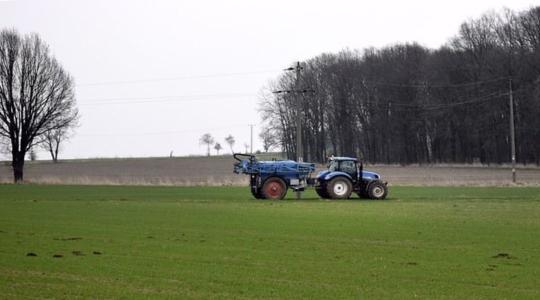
(153, 76)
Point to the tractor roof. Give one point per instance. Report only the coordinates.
(342, 158)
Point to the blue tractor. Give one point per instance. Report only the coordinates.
(344, 175)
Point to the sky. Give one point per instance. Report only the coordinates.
(154, 76)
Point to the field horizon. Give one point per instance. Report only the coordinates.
(217, 171)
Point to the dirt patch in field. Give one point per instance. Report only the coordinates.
(68, 239)
(217, 171)
(503, 255)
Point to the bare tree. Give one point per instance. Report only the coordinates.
(246, 146)
(207, 140)
(218, 147)
(269, 139)
(52, 139)
(230, 140)
(36, 94)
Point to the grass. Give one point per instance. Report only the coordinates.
(204, 243)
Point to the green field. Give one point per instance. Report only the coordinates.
(201, 243)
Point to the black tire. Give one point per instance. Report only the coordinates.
(274, 188)
(321, 191)
(257, 193)
(377, 190)
(339, 188)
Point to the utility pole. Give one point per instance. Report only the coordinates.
(299, 149)
(297, 91)
(512, 132)
(251, 143)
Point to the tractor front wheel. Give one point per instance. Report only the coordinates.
(377, 190)
(274, 188)
(339, 188)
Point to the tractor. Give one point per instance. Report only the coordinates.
(344, 175)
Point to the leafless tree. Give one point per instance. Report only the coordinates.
(36, 95)
(246, 146)
(217, 147)
(230, 140)
(269, 138)
(207, 140)
(52, 139)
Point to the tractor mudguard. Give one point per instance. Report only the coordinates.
(331, 175)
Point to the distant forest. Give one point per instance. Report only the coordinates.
(406, 103)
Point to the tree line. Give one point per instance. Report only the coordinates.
(406, 103)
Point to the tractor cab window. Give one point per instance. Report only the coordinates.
(333, 166)
(348, 166)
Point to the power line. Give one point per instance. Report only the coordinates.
(485, 98)
(216, 75)
(161, 99)
(160, 132)
(481, 99)
(427, 85)
(203, 97)
(441, 109)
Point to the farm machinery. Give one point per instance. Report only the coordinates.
(343, 176)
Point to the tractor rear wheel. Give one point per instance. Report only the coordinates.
(274, 188)
(339, 188)
(377, 190)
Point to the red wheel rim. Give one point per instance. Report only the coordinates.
(274, 190)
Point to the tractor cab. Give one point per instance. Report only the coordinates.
(347, 165)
